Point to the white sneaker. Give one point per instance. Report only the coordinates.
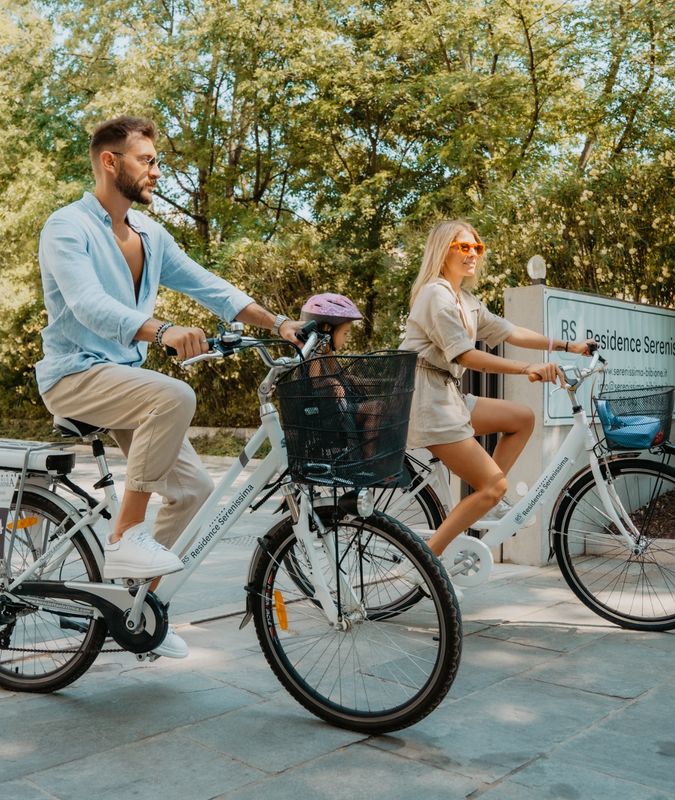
(459, 594)
(493, 515)
(138, 555)
(407, 572)
(172, 646)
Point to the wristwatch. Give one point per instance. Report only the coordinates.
(278, 322)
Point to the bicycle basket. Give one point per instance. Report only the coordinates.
(345, 418)
(636, 419)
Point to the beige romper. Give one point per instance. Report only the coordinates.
(436, 330)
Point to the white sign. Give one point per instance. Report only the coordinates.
(637, 341)
(7, 483)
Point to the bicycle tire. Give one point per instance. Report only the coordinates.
(631, 589)
(375, 694)
(25, 669)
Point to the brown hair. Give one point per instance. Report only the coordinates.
(114, 132)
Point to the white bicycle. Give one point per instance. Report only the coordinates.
(612, 528)
(320, 583)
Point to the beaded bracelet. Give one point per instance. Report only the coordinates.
(163, 328)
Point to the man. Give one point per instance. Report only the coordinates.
(102, 264)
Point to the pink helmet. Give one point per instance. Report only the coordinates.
(330, 308)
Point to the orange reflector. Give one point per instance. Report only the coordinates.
(281, 610)
(26, 522)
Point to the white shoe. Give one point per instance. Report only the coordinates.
(138, 555)
(459, 594)
(493, 515)
(172, 646)
(405, 571)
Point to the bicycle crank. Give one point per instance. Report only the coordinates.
(72, 601)
(468, 561)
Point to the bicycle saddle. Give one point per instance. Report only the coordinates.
(70, 428)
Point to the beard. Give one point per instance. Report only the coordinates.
(131, 189)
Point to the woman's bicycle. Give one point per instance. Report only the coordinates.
(612, 528)
(318, 588)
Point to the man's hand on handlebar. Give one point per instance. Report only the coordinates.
(288, 331)
(187, 342)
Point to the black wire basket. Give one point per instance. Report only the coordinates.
(636, 419)
(345, 418)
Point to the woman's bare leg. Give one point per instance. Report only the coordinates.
(471, 463)
(514, 421)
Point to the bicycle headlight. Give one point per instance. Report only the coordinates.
(365, 503)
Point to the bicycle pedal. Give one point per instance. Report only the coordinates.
(147, 657)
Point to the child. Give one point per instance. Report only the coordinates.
(334, 314)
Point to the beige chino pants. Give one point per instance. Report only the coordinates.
(148, 415)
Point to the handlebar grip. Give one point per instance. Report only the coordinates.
(592, 347)
(171, 351)
(304, 332)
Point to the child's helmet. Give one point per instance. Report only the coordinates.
(333, 309)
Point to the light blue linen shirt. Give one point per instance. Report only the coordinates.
(93, 314)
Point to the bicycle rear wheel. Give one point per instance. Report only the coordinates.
(41, 650)
(417, 509)
(368, 674)
(631, 588)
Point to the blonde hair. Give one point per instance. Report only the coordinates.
(439, 239)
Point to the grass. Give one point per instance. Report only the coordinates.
(221, 444)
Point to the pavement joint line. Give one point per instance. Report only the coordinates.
(31, 783)
(621, 697)
(521, 644)
(480, 790)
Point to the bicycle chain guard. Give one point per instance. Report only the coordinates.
(468, 561)
(111, 600)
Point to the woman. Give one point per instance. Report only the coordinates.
(444, 323)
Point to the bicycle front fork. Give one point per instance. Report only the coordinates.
(322, 557)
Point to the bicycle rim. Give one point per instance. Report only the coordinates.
(42, 650)
(374, 675)
(633, 589)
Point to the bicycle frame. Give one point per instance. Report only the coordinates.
(212, 522)
(556, 474)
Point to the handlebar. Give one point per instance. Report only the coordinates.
(578, 374)
(229, 342)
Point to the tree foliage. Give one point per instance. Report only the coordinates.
(309, 146)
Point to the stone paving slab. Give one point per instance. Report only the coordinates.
(178, 765)
(559, 780)
(359, 772)
(497, 730)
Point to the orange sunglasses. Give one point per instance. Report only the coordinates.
(467, 247)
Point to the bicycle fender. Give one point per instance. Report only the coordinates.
(89, 535)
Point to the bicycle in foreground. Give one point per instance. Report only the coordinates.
(319, 587)
(612, 528)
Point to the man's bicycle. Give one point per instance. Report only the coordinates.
(319, 586)
(612, 528)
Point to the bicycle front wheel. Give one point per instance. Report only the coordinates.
(44, 650)
(631, 587)
(372, 675)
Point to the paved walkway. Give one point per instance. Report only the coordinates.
(549, 703)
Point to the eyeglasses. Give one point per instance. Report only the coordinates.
(467, 247)
(149, 161)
